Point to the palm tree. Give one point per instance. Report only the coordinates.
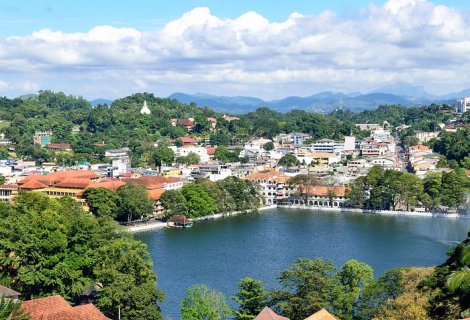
(460, 280)
(11, 310)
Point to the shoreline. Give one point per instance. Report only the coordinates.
(160, 225)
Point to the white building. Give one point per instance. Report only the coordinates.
(116, 153)
(463, 105)
(184, 151)
(145, 109)
(329, 146)
(119, 166)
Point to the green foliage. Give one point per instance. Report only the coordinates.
(2, 179)
(102, 202)
(174, 203)
(454, 145)
(225, 155)
(125, 271)
(377, 293)
(52, 246)
(203, 303)
(191, 158)
(198, 200)
(251, 297)
(11, 310)
(306, 287)
(356, 193)
(268, 146)
(448, 300)
(289, 160)
(392, 189)
(134, 202)
(354, 276)
(163, 155)
(302, 183)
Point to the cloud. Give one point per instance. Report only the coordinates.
(408, 40)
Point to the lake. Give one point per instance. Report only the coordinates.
(221, 252)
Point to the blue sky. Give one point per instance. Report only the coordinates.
(107, 48)
(19, 17)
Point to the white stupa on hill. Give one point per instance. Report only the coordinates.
(145, 109)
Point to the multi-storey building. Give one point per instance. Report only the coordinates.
(42, 138)
(463, 105)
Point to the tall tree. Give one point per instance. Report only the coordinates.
(306, 287)
(199, 202)
(125, 272)
(102, 202)
(203, 303)
(303, 185)
(251, 298)
(134, 202)
(174, 203)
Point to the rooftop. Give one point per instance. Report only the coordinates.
(268, 314)
(56, 308)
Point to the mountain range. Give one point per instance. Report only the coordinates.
(324, 102)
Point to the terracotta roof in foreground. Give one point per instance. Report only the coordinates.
(56, 308)
(323, 314)
(268, 314)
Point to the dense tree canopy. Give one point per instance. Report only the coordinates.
(53, 247)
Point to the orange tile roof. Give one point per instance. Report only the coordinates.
(56, 308)
(152, 182)
(56, 177)
(323, 314)
(33, 184)
(9, 186)
(110, 184)
(263, 175)
(155, 194)
(268, 314)
(210, 150)
(79, 183)
(419, 147)
(339, 191)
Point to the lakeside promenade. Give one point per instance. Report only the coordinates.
(150, 225)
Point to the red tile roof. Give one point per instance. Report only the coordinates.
(185, 122)
(268, 314)
(56, 177)
(33, 184)
(187, 140)
(110, 184)
(56, 308)
(149, 182)
(155, 194)
(79, 183)
(210, 150)
(9, 186)
(152, 182)
(339, 191)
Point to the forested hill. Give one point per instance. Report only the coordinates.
(73, 120)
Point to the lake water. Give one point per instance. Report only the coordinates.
(221, 252)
